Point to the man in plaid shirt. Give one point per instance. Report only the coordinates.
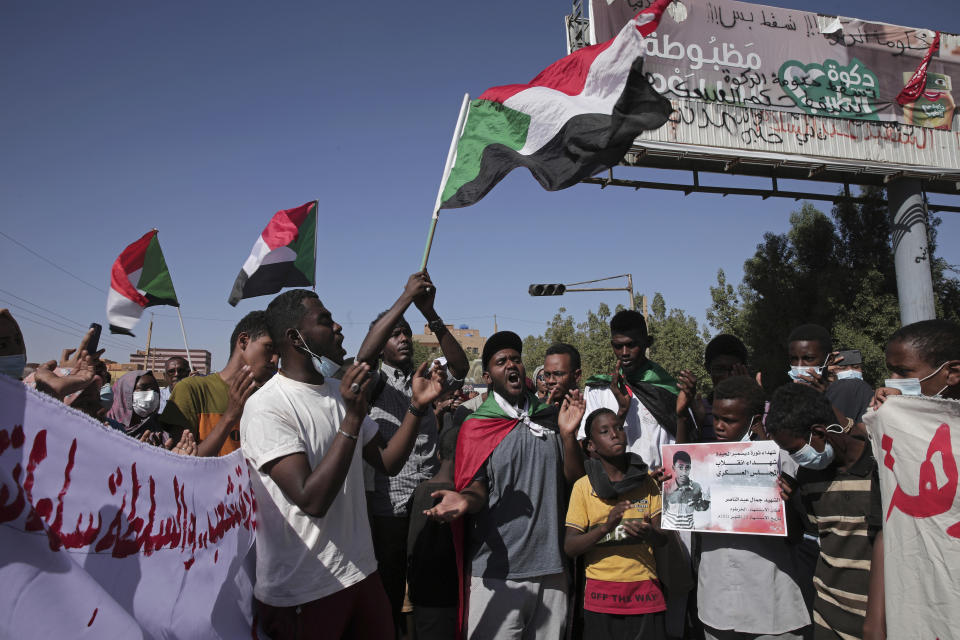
(388, 499)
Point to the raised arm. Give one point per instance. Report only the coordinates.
(417, 286)
(571, 413)
(389, 457)
(456, 358)
(314, 490)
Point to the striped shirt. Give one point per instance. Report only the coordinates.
(845, 508)
(391, 496)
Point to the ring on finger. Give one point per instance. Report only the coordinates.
(354, 388)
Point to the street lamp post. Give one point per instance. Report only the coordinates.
(560, 289)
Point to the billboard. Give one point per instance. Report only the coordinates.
(761, 80)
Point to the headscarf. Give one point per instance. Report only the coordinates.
(122, 410)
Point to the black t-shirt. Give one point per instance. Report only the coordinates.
(851, 397)
(431, 558)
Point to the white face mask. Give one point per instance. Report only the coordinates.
(145, 402)
(849, 375)
(796, 372)
(911, 386)
(812, 459)
(322, 364)
(13, 365)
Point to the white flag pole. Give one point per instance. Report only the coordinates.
(451, 158)
(183, 331)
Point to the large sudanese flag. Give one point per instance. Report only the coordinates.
(283, 256)
(139, 279)
(578, 117)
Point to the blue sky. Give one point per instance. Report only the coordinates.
(204, 118)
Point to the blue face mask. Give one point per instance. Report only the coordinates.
(810, 458)
(911, 386)
(321, 364)
(106, 396)
(849, 375)
(796, 372)
(13, 366)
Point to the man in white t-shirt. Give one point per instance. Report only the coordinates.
(303, 434)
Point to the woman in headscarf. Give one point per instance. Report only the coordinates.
(136, 398)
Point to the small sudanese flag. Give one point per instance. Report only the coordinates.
(283, 256)
(139, 279)
(578, 117)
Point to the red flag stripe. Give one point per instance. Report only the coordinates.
(129, 261)
(284, 226)
(569, 74)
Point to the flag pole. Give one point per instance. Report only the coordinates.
(451, 157)
(183, 331)
(316, 223)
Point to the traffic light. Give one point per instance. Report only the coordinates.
(547, 289)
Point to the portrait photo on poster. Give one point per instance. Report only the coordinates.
(723, 487)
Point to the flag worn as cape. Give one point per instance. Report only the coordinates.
(653, 387)
(283, 256)
(480, 434)
(651, 373)
(139, 278)
(578, 117)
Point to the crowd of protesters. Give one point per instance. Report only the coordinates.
(394, 501)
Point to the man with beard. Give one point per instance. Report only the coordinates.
(515, 459)
(561, 371)
(303, 434)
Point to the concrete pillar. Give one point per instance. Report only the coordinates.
(911, 253)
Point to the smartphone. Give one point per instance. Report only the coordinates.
(850, 356)
(93, 345)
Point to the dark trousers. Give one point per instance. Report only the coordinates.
(610, 626)
(390, 547)
(359, 612)
(434, 623)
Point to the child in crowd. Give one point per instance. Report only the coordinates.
(838, 490)
(614, 518)
(724, 357)
(923, 358)
(749, 586)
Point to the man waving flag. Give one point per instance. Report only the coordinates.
(578, 117)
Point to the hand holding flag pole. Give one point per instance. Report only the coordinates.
(451, 158)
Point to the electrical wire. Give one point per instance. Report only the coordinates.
(52, 263)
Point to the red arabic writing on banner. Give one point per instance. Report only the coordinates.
(127, 533)
(931, 499)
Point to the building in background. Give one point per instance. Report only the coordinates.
(470, 339)
(139, 360)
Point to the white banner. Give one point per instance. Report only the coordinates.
(104, 537)
(915, 441)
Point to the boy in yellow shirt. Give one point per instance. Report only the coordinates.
(614, 518)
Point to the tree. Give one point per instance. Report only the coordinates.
(678, 340)
(836, 271)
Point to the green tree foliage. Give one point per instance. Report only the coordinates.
(421, 353)
(678, 340)
(836, 271)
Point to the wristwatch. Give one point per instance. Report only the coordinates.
(437, 326)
